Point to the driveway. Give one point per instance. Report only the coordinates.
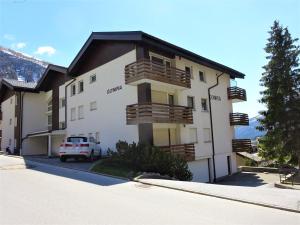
(45, 194)
(250, 179)
(72, 164)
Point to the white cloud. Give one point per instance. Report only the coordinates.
(45, 50)
(9, 37)
(19, 45)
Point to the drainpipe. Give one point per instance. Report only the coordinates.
(211, 125)
(21, 121)
(66, 102)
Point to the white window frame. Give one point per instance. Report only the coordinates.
(80, 82)
(208, 132)
(194, 128)
(73, 87)
(194, 102)
(80, 113)
(61, 101)
(204, 76)
(73, 114)
(91, 78)
(93, 107)
(204, 110)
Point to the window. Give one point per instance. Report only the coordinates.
(73, 113)
(62, 102)
(49, 120)
(189, 71)
(190, 102)
(80, 86)
(80, 112)
(77, 139)
(202, 76)
(93, 105)
(157, 60)
(10, 121)
(93, 78)
(204, 104)
(97, 135)
(193, 135)
(9, 141)
(73, 89)
(206, 135)
(62, 125)
(171, 99)
(49, 105)
(91, 137)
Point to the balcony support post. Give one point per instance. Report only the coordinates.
(145, 129)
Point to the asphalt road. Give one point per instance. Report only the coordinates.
(45, 194)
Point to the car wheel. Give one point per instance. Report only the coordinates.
(63, 159)
(92, 156)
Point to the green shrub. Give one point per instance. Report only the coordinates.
(146, 158)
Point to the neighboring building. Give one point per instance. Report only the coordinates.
(11, 95)
(135, 87)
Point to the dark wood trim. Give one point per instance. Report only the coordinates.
(237, 93)
(158, 113)
(238, 119)
(241, 145)
(146, 69)
(146, 133)
(149, 41)
(145, 129)
(99, 53)
(17, 130)
(144, 92)
(187, 151)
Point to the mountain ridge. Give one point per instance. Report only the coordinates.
(20, 66)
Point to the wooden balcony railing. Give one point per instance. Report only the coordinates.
(187, 151)
(146, 69)
(241, 145)
(237, 93)
(158, 113)
(239, 119)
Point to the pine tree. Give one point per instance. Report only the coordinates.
(281, 79)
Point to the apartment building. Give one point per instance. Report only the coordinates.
(135, 87)
(30, 114)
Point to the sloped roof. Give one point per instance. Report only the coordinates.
(51, 67)
(142, 37)
(15, 84)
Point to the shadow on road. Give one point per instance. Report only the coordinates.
(247, 179)
(71, 173)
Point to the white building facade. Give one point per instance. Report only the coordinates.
(134, 87)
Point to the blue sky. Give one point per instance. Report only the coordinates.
(231, 32)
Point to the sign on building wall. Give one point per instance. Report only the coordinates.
(112, 90)
(215, 97)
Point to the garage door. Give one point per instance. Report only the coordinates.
(200, 170)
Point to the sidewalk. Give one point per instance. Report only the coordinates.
(283, 199)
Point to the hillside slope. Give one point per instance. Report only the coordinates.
(19, 66)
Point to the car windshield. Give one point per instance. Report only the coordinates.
(76, 139)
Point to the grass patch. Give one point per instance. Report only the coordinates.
(113, 168)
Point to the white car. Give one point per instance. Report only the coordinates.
(79, 147)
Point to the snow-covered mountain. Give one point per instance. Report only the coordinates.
(249, 131)
(19, 66)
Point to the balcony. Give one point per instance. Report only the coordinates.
(239, 119)
(236, 94)
(158, 113)
(241, 145)
(187, 151)
(146, 69)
